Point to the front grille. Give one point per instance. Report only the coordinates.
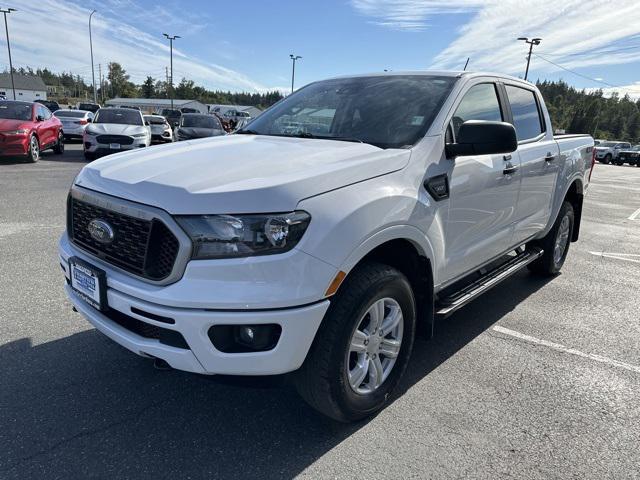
(121, 139)
(143, 247)
(146, 330)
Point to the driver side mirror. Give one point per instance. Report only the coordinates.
(147, 123)
(480, 137)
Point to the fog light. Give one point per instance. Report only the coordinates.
(247, 335)
(245, 338)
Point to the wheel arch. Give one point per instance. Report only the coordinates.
(409, 255)
(575, 196)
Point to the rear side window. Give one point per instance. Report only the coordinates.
(479, 103)
(526, 115)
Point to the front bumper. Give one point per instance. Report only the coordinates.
(91, 145)
(299, 324)
(11, 145)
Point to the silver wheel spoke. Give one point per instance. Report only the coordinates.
(358, 342)
(359, 373)
(376, 316)
(390, 348)
(376, 372)
(392, 320)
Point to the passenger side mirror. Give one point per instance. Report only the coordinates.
(89, 120)
(480, 137)
(39, 118)
(147, 123)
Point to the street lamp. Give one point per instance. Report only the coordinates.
(293, 71)
(171, 39)
(6, 28)
(532, 42)
(93, 73)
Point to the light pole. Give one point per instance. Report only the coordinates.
(171, 39)
(6, 28)
(293, 71)
(93, 73)
(532, 42)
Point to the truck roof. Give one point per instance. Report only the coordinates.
(439, 73)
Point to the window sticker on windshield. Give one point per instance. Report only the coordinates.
(417, 120)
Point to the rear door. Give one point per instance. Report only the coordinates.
(483, 189)
(539, 161)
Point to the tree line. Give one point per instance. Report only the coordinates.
(578, 111)
(117, 83)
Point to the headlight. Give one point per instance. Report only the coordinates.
(139, 135)
(20, 131)
(90, 132)
(224, 236)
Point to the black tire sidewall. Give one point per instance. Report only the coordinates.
(398, 288)
(566, 209)
(30, 157)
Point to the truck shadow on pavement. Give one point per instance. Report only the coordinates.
(82, 407)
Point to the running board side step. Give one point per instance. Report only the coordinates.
(452, 302)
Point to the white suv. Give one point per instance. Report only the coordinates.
(114, 130)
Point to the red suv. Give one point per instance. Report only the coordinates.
(27, 128)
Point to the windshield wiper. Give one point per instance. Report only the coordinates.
(325, 137)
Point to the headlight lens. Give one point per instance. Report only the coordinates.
(20, 131)
(90, 132)
(139, 135)
(225, 236)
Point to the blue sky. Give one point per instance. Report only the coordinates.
(246, 45)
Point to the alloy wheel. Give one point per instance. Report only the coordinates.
(562, 239)
(374, 346)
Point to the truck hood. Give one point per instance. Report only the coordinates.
(237, 173)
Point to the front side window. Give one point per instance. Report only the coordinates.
(479, 103)
(526, 115)
(388, 111)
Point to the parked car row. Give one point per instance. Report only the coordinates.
(617, 153)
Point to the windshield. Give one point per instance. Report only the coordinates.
(155, 120)
(200, 121)
(170, 113)
(608, 144)
(385, 111)
(70, 113)
(636, 148)
(120, 116)
(15, 111)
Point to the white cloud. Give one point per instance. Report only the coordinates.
(575, 33)
(411, 15)
(633, 90)
(54, 34)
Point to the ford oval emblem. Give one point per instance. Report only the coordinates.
(101, 231)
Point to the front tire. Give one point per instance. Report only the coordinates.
(33, 153)
(607, 159)
(363, 345)
(555, 244)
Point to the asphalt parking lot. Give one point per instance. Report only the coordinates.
(537, 379)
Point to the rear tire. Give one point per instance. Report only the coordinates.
(347, 375)
(58, 149)
(555, 244)
(607, 159)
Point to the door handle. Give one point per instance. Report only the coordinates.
(549, 157)
(509, 169)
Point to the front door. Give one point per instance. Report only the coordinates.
(483, 192)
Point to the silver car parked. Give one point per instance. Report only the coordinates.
(161, 131)
(74, 122)
(114, 130)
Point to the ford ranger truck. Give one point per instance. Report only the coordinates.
(319, 237)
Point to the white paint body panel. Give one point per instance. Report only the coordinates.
(358, 196)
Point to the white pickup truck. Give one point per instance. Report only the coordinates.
(317, 251)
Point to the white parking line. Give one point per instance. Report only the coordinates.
(634, 215)
(571, 351)
(618, 256)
